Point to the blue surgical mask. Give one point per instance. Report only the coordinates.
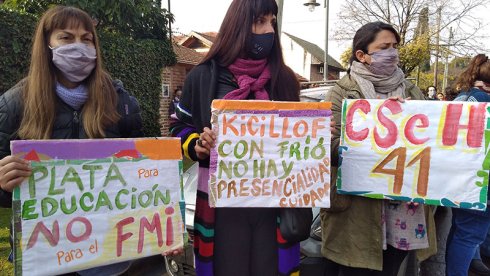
(260, 46)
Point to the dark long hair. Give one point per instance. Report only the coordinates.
(478, 69)
(234, 35)
(367, 34)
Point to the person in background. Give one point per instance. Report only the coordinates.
(469, 227)
(431, 93)
(440, 96)
(355, 233)
(67, 94)
(175, 101)
(244, 63)
(450, 93)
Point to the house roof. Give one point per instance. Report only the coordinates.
(316, 51)
(211, 36)
(206, 38)
(186, 55)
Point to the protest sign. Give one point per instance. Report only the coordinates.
(422, 151)
(270, 154)
(89, 203)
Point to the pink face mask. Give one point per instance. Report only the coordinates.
(384, 62)
(75, 61)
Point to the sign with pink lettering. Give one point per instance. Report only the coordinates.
(428, 152)
(90, 203)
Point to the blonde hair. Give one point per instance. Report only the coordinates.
(39, 98)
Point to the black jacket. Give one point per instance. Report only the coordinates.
(68, 123)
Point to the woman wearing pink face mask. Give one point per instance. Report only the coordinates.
(363, 236)
(66, 95)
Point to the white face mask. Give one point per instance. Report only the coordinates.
(75, 60)
(431, 92)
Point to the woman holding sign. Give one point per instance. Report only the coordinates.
(469, 227)
(245, 62)
(66, 95)
(355, 235)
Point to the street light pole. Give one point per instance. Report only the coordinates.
(325, 61)
(446, 66)
(311, 4)
(280, 5)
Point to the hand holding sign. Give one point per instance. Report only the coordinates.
(207, 140)
(13, 171)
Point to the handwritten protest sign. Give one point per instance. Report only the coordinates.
(270, 154)
(95, 202)
(423, 151)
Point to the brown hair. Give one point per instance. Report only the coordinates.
(39, 92)
(478, 69)
(235, 34)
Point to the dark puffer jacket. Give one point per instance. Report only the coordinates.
(67, 125)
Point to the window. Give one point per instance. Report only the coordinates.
(165, 90)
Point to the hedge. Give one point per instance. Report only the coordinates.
(137, 63)
(16, 32)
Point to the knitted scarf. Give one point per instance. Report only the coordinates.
(375, 86)
(251, 76)
(74, 97)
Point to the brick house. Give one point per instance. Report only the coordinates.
(306, 59)
(173, 78)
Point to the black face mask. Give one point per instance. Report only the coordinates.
(260, 45)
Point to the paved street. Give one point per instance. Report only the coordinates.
(152, 266)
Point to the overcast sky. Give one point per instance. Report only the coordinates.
(206, 16)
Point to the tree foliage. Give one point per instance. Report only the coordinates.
(345, 57)
(138, 19)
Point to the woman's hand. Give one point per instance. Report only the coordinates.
(175, 252)
(13, 170)
(207, 140)
(400, 99)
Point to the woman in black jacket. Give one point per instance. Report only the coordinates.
(245, 62)
(66, 95)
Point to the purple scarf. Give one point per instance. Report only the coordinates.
(251, 76)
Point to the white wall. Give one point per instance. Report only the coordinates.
(295, 58)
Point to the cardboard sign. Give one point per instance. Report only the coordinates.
(89, 203)
(422, 151)
(270, 154)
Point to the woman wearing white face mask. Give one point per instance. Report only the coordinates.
(66, 95)
(354, 236)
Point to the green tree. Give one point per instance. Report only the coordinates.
(414, 53)
(345, 57)
(137, 19)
